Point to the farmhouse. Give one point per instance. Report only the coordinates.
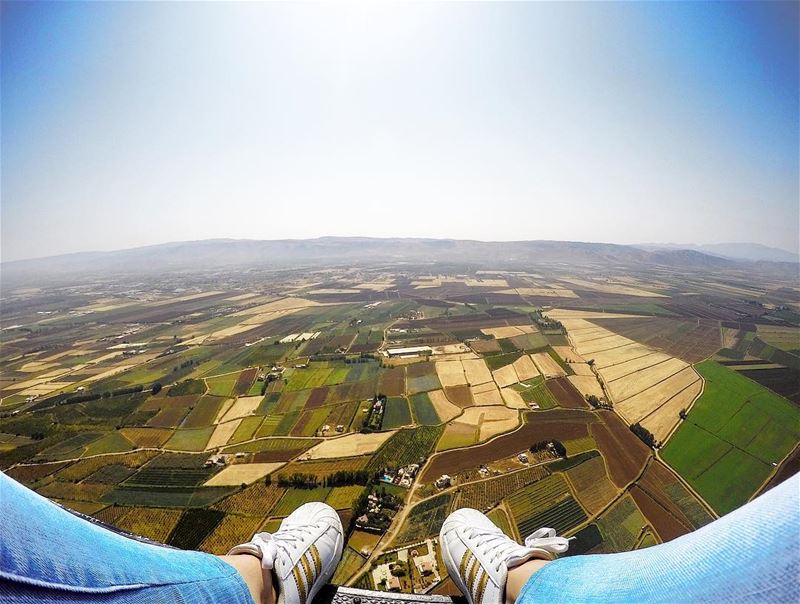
(411, 351)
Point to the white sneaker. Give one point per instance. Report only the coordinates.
(302, 554)
(478, 555)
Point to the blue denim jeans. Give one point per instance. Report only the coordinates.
(750, 555)
(49, 555)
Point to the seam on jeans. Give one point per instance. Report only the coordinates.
(12, 578)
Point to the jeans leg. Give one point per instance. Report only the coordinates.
(749, 555)
(50, 555)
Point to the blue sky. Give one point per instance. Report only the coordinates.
(127, 124)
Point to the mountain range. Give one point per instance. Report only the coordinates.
(287, 253)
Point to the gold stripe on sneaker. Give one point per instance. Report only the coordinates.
(462, 569)
(317, 559)
(472, 573)
(307, 570)
(481, 587)
(298, 578)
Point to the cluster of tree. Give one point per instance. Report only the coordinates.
(83, 398)
(374, 418)
(595, 402)
(183, 365)
(156, 388)
(381, 519)
(644, 435)
(341, 478)
(682, 414)
(361, 359)
(556, 446)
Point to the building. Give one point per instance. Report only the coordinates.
(411, 351)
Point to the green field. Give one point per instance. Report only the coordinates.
(732, 436)
(113, 442)
(294, 498)
(397, 413)
(189, 440)
(222, 385)
(405, 447)
(621, 525)
(424, 412)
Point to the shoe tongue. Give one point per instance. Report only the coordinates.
(520, 556)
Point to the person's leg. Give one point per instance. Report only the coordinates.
(750, 555)
(50, 555)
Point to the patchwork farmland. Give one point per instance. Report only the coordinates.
(516, 394)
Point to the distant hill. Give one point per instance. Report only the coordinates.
(224, 253)
(754, 252)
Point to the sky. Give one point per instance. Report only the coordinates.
(136, 123)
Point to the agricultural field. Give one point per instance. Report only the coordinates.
(240, 402)
(731, 437)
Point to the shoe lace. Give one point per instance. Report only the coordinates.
(287, 540)
(496, 548)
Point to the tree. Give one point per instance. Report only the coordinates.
(644, 435)
(156, 388)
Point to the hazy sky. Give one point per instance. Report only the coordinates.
(126, 124)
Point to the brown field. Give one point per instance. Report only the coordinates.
(624, 453)
(665, 524)
(692, 340)
(586, 385)
(244, 381)
(242, 473)
(317, 397)
(459, 395)
(561, 424)
(487, 394)
(31, 473)
(663, 487)
(393, 382)
(505, 376)
(222, 434)
(661, 421)
(169, 417)
(513, 399)
(232, 531)
(146, 437)
(450, 373)
(525, 368)
(547, 365)
(566, 394)
(635, 383)
(591, 483)
(485, 346)
(444, 408)
(348, 446)
(476, 371)
(643, 404)
(634, 365)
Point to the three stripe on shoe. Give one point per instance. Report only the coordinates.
(311, 564)
(475, 576)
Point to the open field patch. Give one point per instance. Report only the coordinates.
(547, 366)
(734, 433)
(586, 385)
(591, 483)
(231, 531)
(423, 410)
(635, 383)
(476, 371)
(562, 424)
(442, 405)
(153, 523)
(256, 500)
(621, 526)
(450, 373)
(624, 453)
(547, 502)
(242, 473)
(347, 446)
